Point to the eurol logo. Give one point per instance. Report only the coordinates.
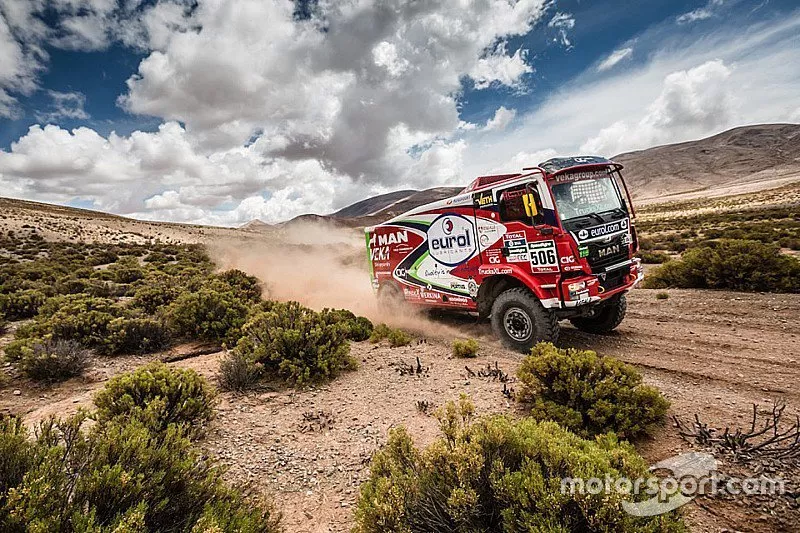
(451, 240)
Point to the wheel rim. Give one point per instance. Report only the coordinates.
(517, 324)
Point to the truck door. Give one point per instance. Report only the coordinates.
(528, 239)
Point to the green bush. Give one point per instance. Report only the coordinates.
(662, 295)
(588, 394)
(154, 295)
(238, 373)
(497, 474)
(730, 264)
(21, 304)
(207, 314)
(53, 360)
(396, 337)
(296, 344)
(16, 456)
(359, 328)
(236, 281)
(158, 395)
(135, 335)
(119, 476)
(654, 257)
(465, 348)
(80, 318)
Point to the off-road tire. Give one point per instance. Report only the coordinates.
(605, 320)
(512, 306)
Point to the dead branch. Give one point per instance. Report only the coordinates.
(769, 437)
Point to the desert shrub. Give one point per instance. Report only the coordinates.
(3, 324)
(498, 474)
(465, 348)
(101, 257)
(296, 344)
(207, 314)
(155, 294)
(119, 476)
(158, 395)
(53, 360)
(238, 373)
(135, 335)
(21, 304)
(730, 264)
(16, 456)
(662, 295)
(81, 318)
(588, 394)
(654, 257)
(359, 328)
(395, 336)
(241, 284)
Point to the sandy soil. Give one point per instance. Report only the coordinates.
(712, 353)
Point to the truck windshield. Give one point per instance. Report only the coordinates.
(580, 198)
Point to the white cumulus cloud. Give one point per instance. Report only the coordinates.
(501, 119)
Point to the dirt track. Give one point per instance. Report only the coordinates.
(709, 352)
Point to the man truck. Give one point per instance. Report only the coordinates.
(553, 242)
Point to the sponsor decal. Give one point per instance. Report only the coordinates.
(458, 285)
(514, 235)
(435, 272)
(583, 251)
(493, 271)
(386, 239)
(451, 239)
(577, 176)
(379, 254)
(472, 287)
(484, 199)
(603, 230)
(567, 259)
(458, 299)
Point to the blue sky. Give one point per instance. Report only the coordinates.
(224, 112)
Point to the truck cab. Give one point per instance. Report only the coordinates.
(553, 242)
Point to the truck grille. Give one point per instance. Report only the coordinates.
(605, 254)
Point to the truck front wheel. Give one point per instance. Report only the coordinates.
(520, 321)
(605, 319)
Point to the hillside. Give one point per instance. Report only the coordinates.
(736, 157)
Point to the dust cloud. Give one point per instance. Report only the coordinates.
(319, 265)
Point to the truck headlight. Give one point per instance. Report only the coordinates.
(575, 287)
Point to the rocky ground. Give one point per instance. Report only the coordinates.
(711, 353)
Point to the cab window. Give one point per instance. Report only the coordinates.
(520, 204)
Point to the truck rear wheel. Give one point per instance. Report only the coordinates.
(605, 319)
(390, 297)
(520, 321)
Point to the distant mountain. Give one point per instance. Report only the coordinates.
(372, 205)
(255, 225)
(742, 155)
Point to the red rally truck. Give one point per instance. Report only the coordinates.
(554, 242)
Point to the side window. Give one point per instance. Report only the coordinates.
(520, 204)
